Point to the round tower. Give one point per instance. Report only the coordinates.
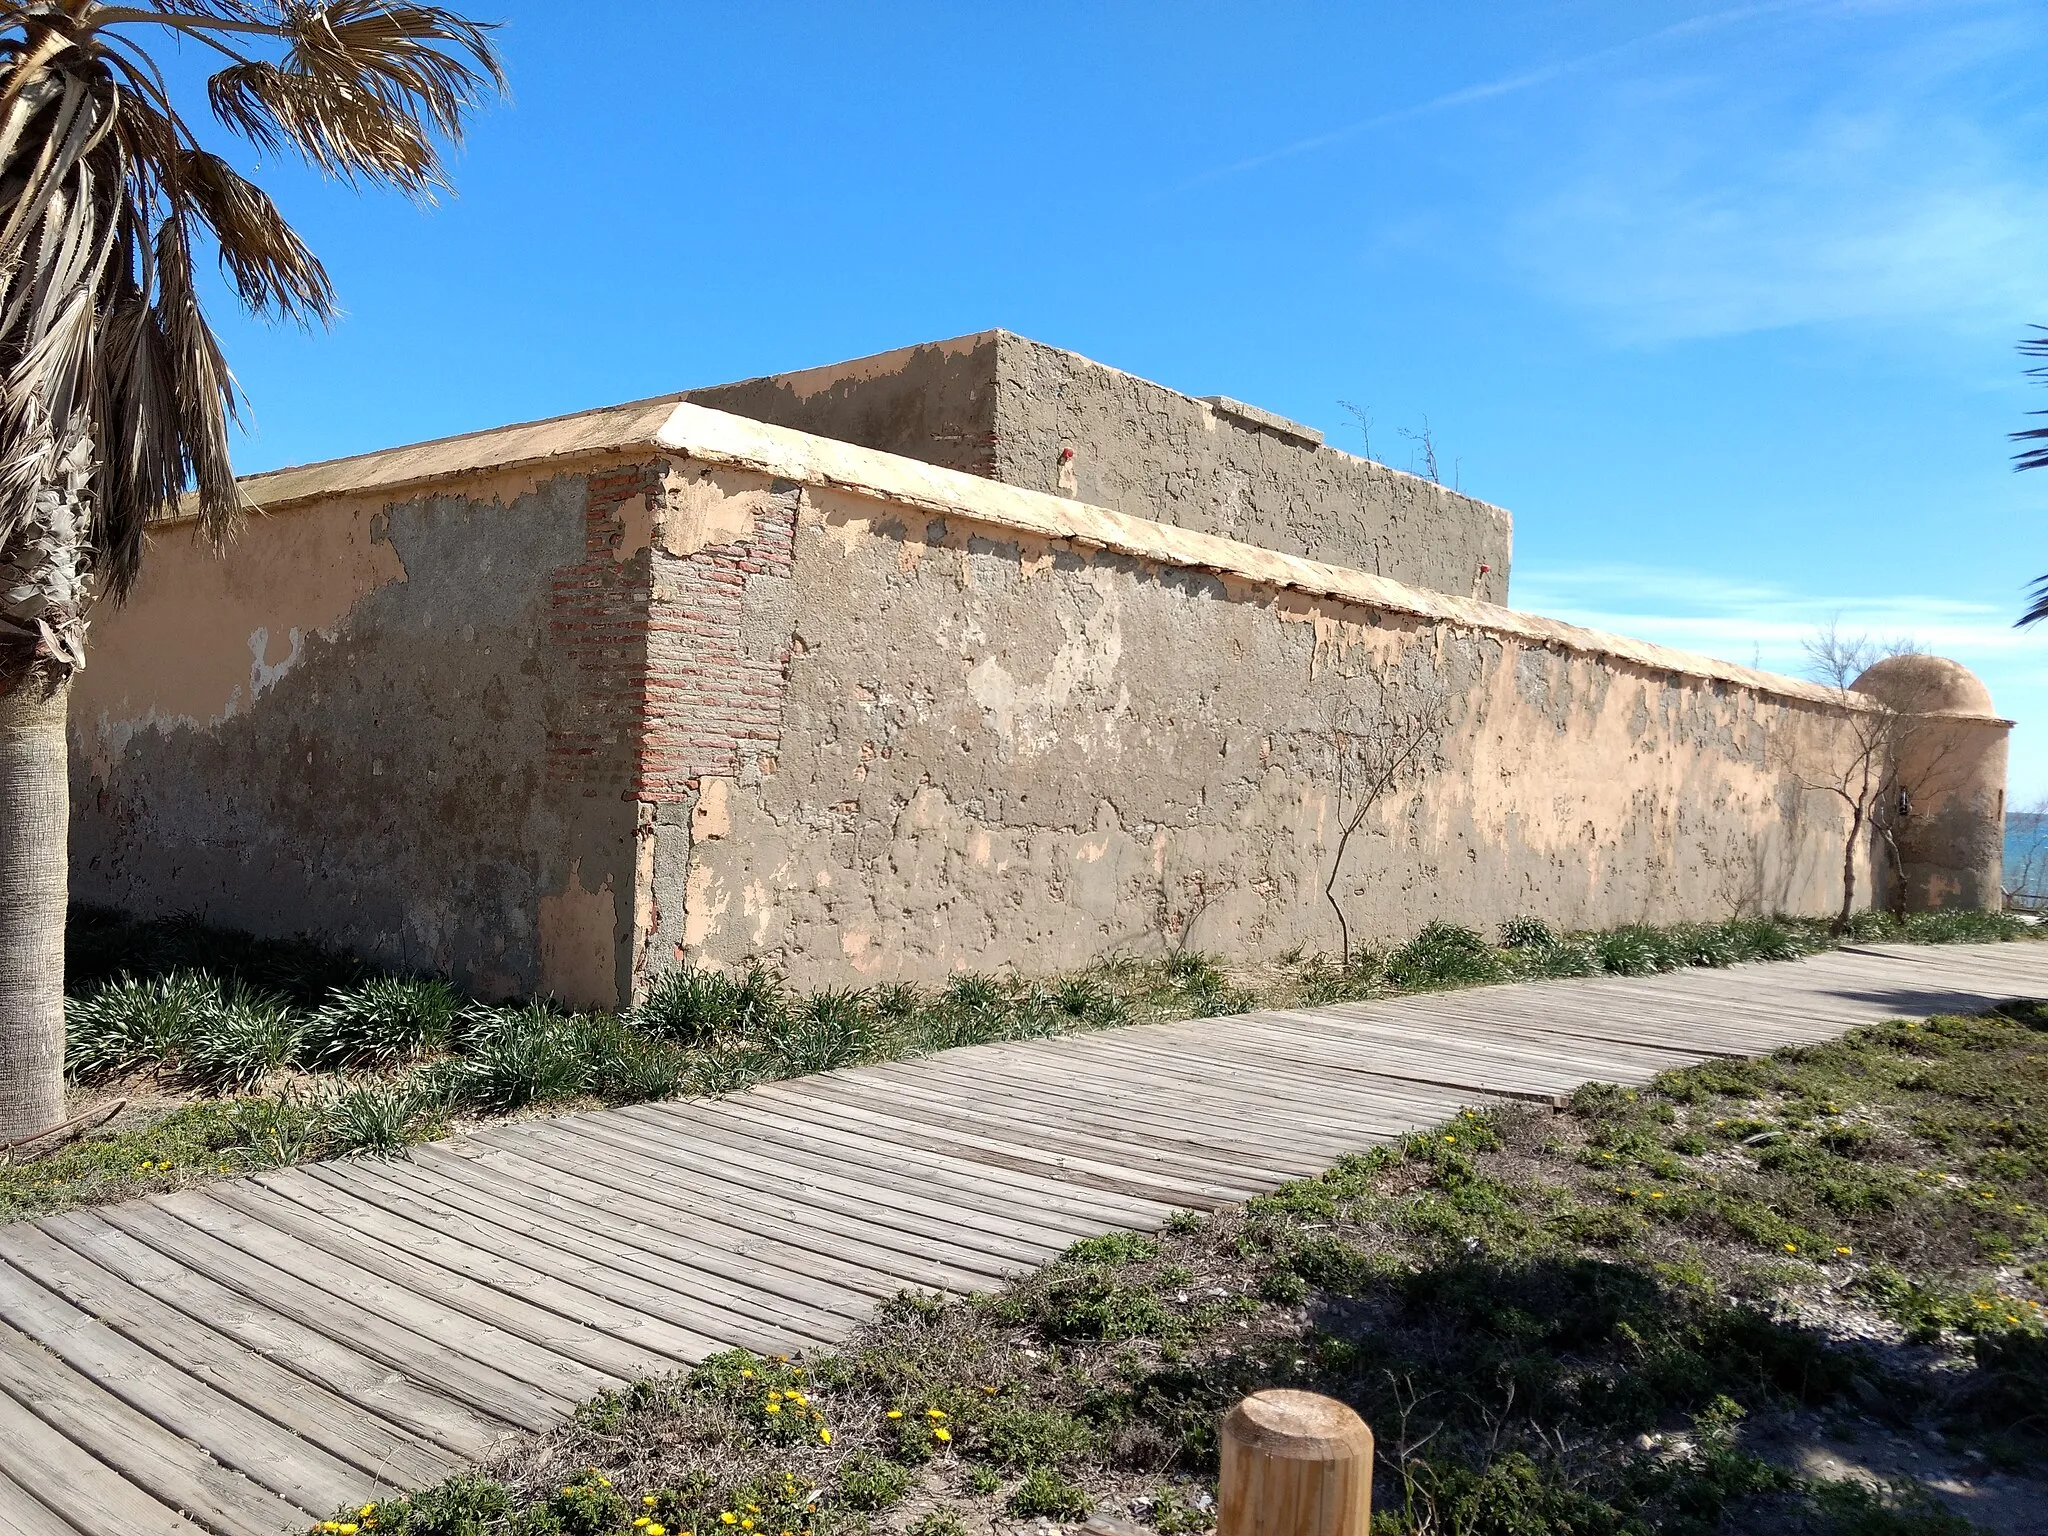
(1948, 821)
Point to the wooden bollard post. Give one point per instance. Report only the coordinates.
(1294, 1464)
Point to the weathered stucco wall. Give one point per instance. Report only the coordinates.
(1003, 750)
(395, 727)
(1008, 408)
(553, 708)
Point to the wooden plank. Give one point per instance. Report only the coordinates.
(710, 1164)
(1171, 1070)
(663, 1210)
(23, 1514)
(1090, 1209)
(786, 1157)
(934, 1190)
(761, 1292)
(601, 1332)
(624, 1275)
(876, 1089)
(174, 1472)
(325, 1418)
(366, 1380)
(1118, 1109)
(230, 1433)
(73, 1483)
(363, 1329)
(1115, 1106)
(950, 1132)
(885, 1249)
(524, 1342)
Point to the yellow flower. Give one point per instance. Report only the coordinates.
(1450, 1138)
(647, 1499)
(349, 1528)
(1656, 1194)
(746, 1375)
(367, 1510)
(775, 1407)
(1843, 1251)
(798, 1398)
(729, 1518)
(895, 1413)
(1791, 1247)
(776, 1397)
(825, 1435)
(656, 1530)
(795, 1370)
(991, 1391)
(643, 1520)
(933, 1413)
(2010, 1318)
(942, 1434)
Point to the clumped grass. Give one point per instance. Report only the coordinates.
(228, 1016)
(1444, 955)
(1557, 1322)
(379, 1023)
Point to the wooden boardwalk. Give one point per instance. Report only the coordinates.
(245, 1358)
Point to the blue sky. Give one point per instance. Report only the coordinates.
(1719, 300)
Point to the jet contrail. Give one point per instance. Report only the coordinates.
(1466, 95)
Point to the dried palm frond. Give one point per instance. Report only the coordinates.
(2034, 457)
(115, 399)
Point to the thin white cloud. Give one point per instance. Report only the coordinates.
(1741, 620)
(1490, 90)
(1731, 201)
(1767, 625)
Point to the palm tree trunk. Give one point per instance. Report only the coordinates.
(34, 877)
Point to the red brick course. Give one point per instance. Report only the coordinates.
(671, 695)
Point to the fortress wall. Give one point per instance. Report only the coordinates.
(552, 708)
(1003, 748)
(1007, 408)
(409, 729)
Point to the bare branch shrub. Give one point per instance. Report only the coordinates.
(1862, 768)
(1373, 755)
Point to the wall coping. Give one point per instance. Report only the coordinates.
(674, 426)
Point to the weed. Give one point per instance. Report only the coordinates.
(828, 1030)
(1045, 1492)
(240, 1039)
(375, 1121)
(1444, 954)
(868, 1482)
(127, 1023)
(1527, 933)
(276, 1132)
(129, 1160)
(379, 1023)
(1634, 951)
(695, 1007)
(975, 993)
(530, 1055)
(981, 1481)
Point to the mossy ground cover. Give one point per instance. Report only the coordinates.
(246, 1053)
(1576, 1322)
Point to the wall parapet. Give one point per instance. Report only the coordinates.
(722, 439)
(715, 437)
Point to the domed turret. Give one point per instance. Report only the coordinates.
(1949, 822)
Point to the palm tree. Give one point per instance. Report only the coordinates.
(2033, 454)
(115, 399)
